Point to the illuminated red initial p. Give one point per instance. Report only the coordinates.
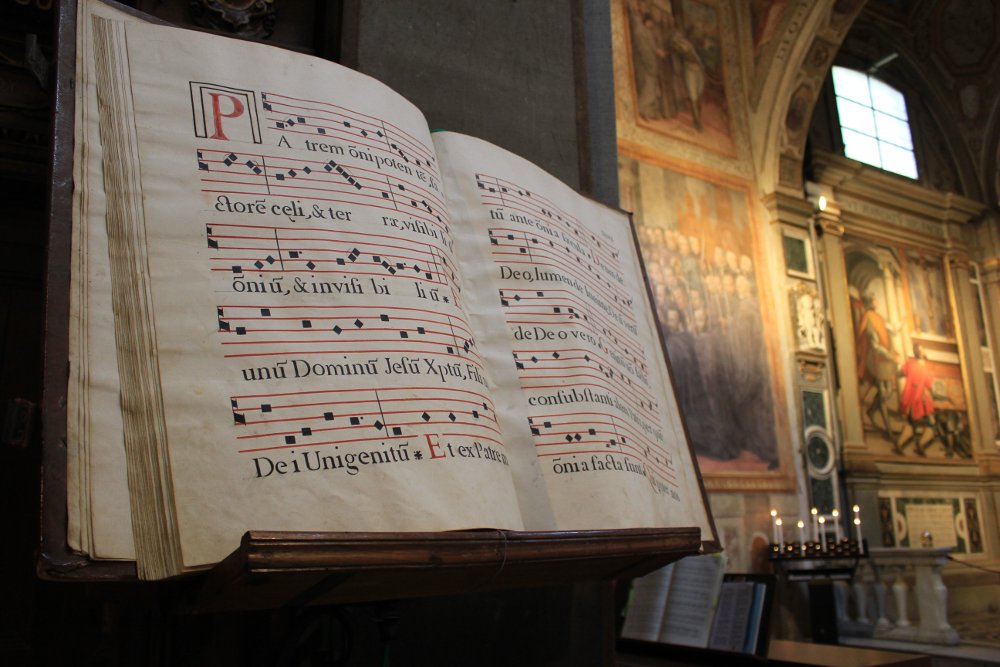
(236, 110)
(224, 113)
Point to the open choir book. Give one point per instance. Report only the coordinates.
(294, 307)
(693, 602)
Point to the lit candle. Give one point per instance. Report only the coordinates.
(836, 524)
(857, 528)
(802, 535)
(781, 535)
(774, 526)
(814, 512)
(822, 531)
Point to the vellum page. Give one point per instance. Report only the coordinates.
(316, 364)
(576, 343)
(97, 493)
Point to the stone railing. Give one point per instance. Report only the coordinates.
(876, 602)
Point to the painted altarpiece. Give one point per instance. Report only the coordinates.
(911, 393)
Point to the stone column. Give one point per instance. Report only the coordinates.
(987, 253)
(957, 270)
(881, 618)
(860, 600)
(986, 250)
(899, 589)
(839, 306)
(932, 604)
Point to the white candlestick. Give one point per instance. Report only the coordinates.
(822, 531)
(774, 526)
(781, 534)
(802, 535)
(861, 542)
(814, 512)
(836, 525)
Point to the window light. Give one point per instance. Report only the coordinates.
(873, 122)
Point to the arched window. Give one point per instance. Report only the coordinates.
(873, 122)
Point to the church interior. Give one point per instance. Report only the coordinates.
(815, 189)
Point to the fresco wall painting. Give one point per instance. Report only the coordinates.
(677, 68)
(714, 306)
(913, 400)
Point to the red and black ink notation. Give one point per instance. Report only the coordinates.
(497, 192)
(328, 261)
(332, 331)
(322, 183)
(563, 309)
(557, 341)
(595, 433)
(316, 120)
(548, 261)
(344, 417)
(548, 369)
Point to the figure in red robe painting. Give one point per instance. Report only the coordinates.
(916, 403)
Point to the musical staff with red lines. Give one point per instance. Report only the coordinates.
(596, 433)
(567, 236)
(334, 259)
(514, 247)
(261, 331)
(328, 182)
(563, 308)
(546, 368)
(591, 351)
(313, 119)
(577, 348)
(361, 417)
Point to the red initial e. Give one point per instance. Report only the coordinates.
(218, 115)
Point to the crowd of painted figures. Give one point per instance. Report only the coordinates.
(708, 307)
